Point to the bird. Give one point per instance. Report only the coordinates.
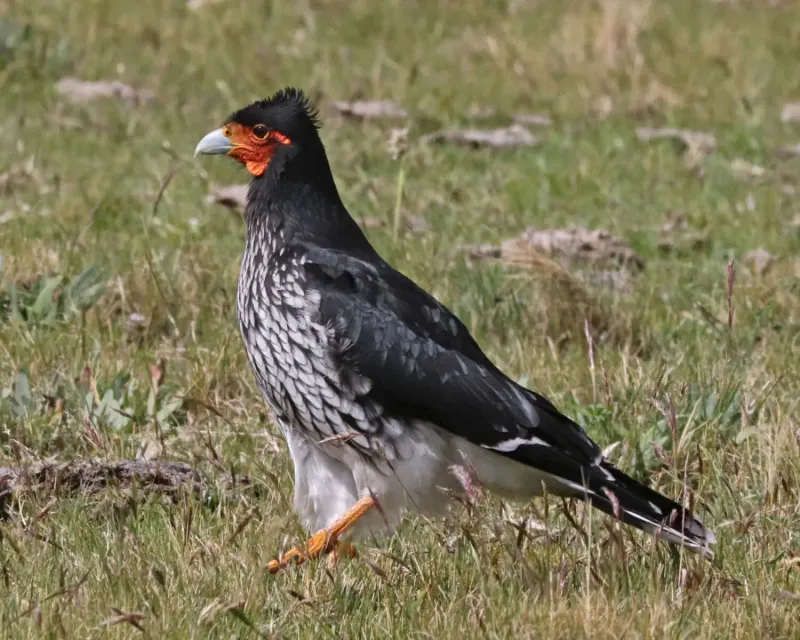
(379, 390)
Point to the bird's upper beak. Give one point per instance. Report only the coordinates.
(214, 143)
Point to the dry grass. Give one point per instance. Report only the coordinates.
(153, 364)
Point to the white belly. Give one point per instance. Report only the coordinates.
(330, 478)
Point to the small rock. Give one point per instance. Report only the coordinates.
(744, 170)
(82, 91)
(370, 222)
(416, 223)
(697, 145)
(194, 5)
(759, 260)
(515, 135)
(478, 112)
(573, 244)
(369, 109)
(135, 322)
(532, 120)
(149, 448)
(602, 107)
(233, 196)
(788, 151)
(791, 112)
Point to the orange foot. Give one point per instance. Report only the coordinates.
(326, 540)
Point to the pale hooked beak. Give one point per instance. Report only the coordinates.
(215, 142)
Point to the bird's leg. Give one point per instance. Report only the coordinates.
(326, 540)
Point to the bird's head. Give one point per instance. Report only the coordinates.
(265, 135)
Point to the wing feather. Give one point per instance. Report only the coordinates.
(423, 363)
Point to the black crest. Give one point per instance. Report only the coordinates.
(289, 111)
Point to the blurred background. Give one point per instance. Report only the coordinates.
(607, 193)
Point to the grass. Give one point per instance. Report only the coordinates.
(81, 192)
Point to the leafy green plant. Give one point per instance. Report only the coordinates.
(121, 405)
(49, 299)
(17, 396)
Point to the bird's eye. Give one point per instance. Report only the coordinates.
(260, 131)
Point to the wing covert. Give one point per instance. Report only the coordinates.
(424, 364)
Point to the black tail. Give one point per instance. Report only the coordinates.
(630, 501)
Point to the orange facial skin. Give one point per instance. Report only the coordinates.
(254, 146)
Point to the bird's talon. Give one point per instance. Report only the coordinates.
(319, 544)
(326, 540)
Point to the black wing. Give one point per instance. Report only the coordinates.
(425, 365)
